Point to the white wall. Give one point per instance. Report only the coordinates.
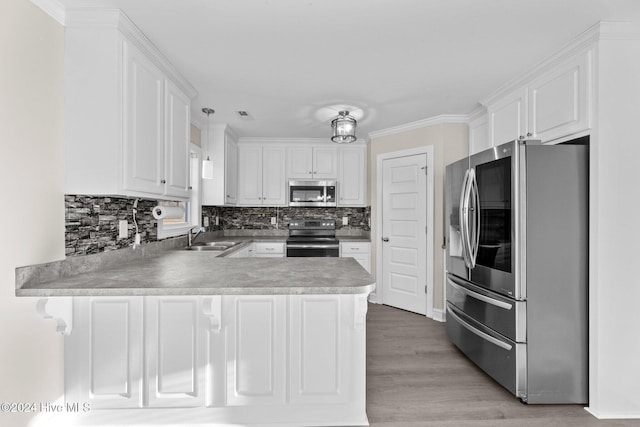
(31, 173)
(614, 232)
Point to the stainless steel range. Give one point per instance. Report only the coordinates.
(312, 238)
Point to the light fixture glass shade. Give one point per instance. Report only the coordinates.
(343, 128)
(207, 169)
(207, 165)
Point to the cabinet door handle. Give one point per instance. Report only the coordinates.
(164, 181)
(385, 239)
(310, 172)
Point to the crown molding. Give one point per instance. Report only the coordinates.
(53, 8)
(116, 19)
(477, 113)
(297, 141)
(437, 120)
(618, 30)
(604, 30)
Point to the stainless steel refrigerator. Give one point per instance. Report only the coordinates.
(517, 267)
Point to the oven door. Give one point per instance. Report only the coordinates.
(310, 249)
(490, 213)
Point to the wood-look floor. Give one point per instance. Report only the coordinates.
(416, 377)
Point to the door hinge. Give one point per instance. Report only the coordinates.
(424, 168)
(426, 229)
(425, 289)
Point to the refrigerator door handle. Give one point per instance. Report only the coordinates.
(479, 333)
(480, 297)
(474, 243)
(464, 219)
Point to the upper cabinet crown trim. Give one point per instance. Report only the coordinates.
(116, 19)
(605, 30)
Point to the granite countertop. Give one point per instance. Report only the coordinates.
(169, 270)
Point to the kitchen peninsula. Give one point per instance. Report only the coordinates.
(175, 337)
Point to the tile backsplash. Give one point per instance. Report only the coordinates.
(259, 218)
(92, 223)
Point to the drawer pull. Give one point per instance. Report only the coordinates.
(480, 297)
(481, 334)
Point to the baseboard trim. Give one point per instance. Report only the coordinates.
(612, 415)
(439, 315)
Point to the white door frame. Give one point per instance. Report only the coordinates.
(429, 151)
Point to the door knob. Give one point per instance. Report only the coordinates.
(385, 239)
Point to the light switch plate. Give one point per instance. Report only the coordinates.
(217, 220)
(273, 220)
(123, 229)
(345, 220)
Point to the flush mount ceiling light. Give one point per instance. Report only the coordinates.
(207, 165)
(343, 128)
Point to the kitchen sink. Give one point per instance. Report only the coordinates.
(211, 246)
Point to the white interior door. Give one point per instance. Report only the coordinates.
(404, 232)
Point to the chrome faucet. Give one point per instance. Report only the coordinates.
(190, 239)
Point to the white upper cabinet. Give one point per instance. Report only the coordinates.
(551, 104)
(250, 175)
(127, 111)
(479, 134)
(559, 100)
(220, 146)
(144, 123)
(325, 162)
(264, 168)
(312, 162)
(508, 118)
(178, 127)
(261, 175)
(352, 177)
(300, 162)
(231, 172)
(274, 184)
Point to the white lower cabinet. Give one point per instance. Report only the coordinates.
(174, 352)
(103, 363)
(256, 346)
(133, 352)
(232, 359)
(360, 251)
(269, 250)
(246, 252)
(319, 368)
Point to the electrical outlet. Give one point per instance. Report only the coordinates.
(273, 220)
(123, 229)
(205, 221)
(345, 220)
(217, 220)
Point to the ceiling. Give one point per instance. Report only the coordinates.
(293, 64)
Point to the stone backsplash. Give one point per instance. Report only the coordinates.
(259, 218)
(92, 223)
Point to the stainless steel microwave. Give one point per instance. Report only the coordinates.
(312, 193)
